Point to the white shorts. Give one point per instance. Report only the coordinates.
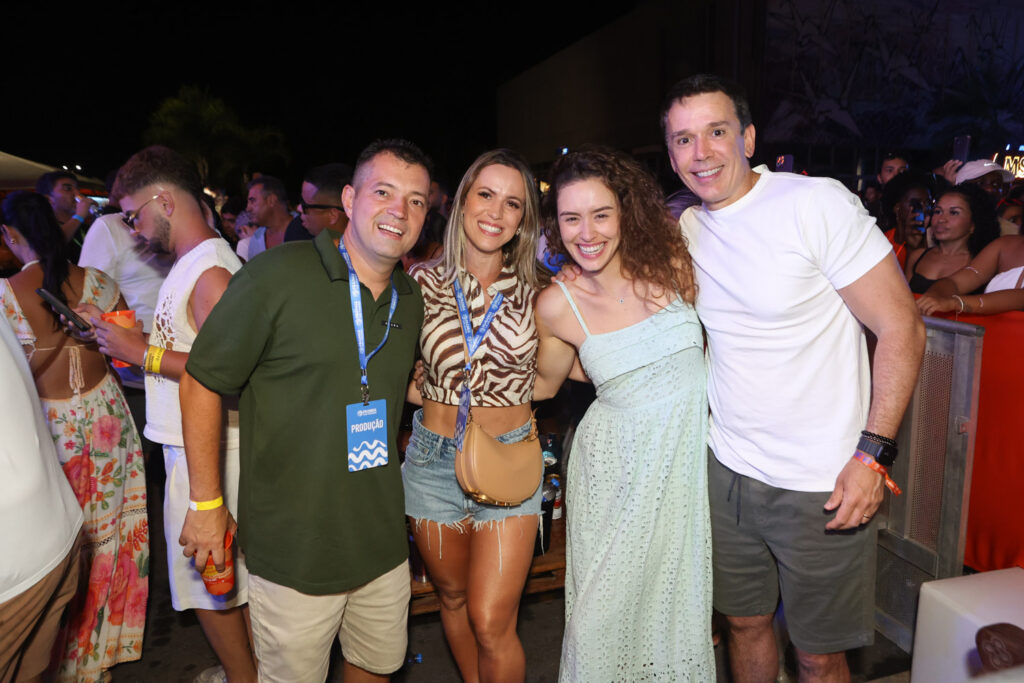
(292, 632)
(187, 588)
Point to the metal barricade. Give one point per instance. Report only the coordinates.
(921, 534)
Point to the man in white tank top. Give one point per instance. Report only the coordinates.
(161, 204)
(789, 268)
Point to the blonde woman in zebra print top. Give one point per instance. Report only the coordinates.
(478, 556)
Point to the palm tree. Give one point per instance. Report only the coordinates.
(203, 128)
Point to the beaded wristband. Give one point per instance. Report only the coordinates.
(878, 438)
(206, 504)
(868, 461)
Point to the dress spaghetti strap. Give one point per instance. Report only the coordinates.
(572, 304)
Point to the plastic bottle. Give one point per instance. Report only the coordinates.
(556, 510)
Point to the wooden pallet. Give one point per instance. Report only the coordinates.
(547, 573)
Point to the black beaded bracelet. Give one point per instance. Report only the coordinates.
(878, 438)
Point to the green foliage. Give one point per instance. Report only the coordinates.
(206, 130)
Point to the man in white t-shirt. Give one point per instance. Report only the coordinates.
(790, 269)
(138, 270)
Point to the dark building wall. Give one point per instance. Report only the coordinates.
(608, 87)
(834, 83)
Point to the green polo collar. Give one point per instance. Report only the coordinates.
(335, 266)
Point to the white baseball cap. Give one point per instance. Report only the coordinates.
(973, 170)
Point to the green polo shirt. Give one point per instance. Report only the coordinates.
(282, 337)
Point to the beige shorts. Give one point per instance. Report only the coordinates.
(292, 632)
(31, 620)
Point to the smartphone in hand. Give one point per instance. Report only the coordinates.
(63, 309)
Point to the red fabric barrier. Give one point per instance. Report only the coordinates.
(995, 521)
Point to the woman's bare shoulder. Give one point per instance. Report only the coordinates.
(552, 303)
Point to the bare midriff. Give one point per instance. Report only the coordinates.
(440, 417)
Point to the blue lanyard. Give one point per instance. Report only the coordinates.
(356, 298)
(472, 344)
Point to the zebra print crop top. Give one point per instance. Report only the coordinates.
(505, 364)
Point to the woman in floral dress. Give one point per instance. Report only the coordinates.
(96, 439)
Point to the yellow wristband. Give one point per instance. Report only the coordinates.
(154, 354)
(206, 504)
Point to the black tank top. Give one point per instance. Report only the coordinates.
(919, 284)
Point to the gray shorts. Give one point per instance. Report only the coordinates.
(766, 540)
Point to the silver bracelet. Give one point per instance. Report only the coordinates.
(961, 303)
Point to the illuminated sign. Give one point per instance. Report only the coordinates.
(1014, 163)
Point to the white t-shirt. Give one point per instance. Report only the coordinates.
(789, 382)
(109, 247)
(39, 514)
(253, 245)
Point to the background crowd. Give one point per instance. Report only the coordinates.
(956, 231)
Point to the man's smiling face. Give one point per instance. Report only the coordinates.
(708, 149)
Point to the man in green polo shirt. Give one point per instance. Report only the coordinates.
(320, 508)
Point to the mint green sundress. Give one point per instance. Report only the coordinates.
(638, 575)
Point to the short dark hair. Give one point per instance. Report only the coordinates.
(407, 151)
(157, 164)
(271, 185)
(699, 84)
(330, 179)
(894, 154)
(234, 206)
(47, 181)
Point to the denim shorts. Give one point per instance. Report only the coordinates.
(431, 490)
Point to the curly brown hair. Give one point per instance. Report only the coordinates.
(652, 248)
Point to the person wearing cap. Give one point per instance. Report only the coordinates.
(993, 178)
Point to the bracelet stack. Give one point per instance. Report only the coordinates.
(151, 361)
(866, 459)
(878, 452)
(878, 438)
(964, 308)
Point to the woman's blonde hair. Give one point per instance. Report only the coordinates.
(521, 251)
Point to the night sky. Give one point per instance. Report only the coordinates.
(80, 87)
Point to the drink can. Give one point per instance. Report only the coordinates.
(220, 582)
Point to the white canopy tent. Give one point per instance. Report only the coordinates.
(21, 174)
